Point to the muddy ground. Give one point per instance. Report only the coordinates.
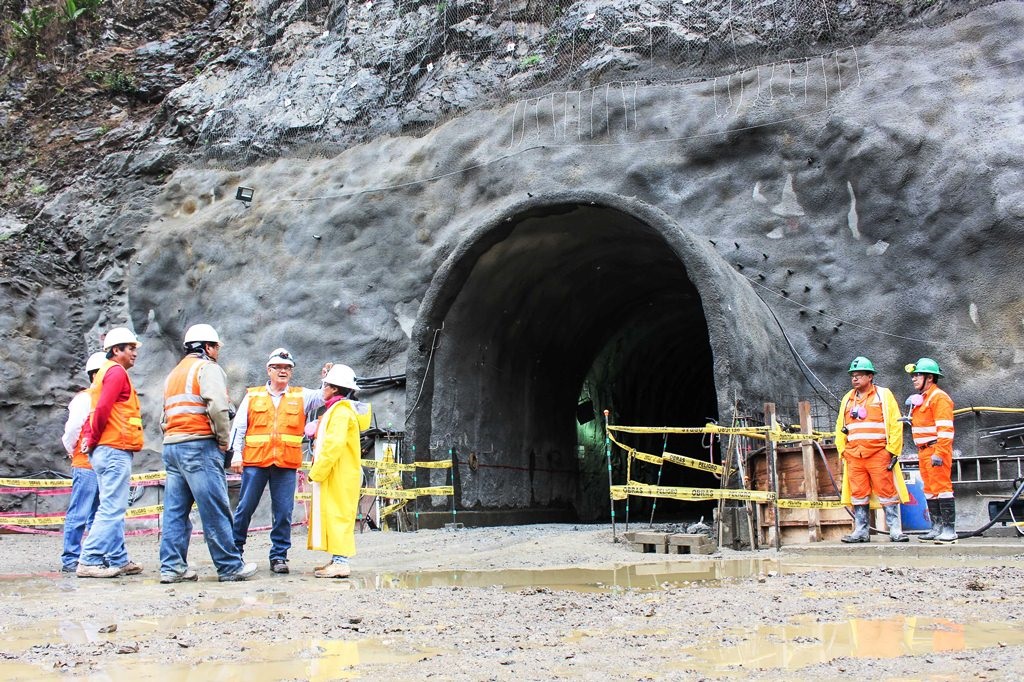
(525, 603)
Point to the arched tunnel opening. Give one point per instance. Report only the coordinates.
(558, 314)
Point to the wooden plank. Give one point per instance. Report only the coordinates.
(810, 473)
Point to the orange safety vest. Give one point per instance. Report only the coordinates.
(184, 408)
(273, 437)
(79, 457)
(866, 436)
(124, 427)
(932, 420)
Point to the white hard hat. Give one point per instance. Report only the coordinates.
(341, 375)
(281, 356)
(95, 361)
(201, 333)
(117, 336)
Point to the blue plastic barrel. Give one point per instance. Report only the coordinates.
(915, 512)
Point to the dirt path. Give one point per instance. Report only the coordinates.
(482, 604)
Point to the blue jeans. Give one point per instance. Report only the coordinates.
(195, 473)
(282, 502)
(85, 499)
(105, 544)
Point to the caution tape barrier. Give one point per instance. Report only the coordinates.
(621, 492)
(758, 432)
(681, 460)
(393, 494)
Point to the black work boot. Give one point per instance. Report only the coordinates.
(933, 512)
(861, 532)
(895, 523)
(947, 509)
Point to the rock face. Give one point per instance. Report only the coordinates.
(599, 245)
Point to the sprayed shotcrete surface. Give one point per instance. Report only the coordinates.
(526, 603)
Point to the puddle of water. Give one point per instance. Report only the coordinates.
(648, 576)
(799, 645)
(313, 660)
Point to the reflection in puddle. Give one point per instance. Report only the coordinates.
(799, 645)
(648, 576)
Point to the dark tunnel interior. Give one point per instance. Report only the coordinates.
(564, 313)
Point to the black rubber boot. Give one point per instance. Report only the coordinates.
(895, 523)
(861, 532)
(947, 509)
(933, 512)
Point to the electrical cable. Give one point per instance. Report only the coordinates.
(426, 370)
(800, 362)
(980, 531)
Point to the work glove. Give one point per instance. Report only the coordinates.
(937, 461)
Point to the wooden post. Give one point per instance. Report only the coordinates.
(810, 473)
(773, 469)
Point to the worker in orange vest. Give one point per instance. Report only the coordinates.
(931, 421)
(267, 441)
(85, 493)
(111, 436)
(197, 425)
(869, 439)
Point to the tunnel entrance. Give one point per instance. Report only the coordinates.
(540, 323)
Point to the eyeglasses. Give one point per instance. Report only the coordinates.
(281, 368)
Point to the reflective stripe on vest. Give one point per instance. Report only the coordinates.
(273, 435)
(924, 426)
(866, 436)
(184, 408)
(124, 426)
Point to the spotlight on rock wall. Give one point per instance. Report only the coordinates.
(244, 194)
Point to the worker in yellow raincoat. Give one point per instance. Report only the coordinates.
(336, 475)
(869, 439)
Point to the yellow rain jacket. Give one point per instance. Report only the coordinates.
(336, 476)
(894, 443)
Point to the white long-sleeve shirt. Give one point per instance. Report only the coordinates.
(312, 399)
(78, 412)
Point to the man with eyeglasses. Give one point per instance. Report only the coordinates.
(869, 439)
(931, 421)
(267, 442)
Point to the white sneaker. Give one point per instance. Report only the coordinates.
(247, 572)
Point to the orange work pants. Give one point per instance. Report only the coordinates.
(870, 473)
(936, 480)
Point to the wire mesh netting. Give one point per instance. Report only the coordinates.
(574, 72)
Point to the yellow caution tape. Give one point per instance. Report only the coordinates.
(66, 482)
(810, 504)
(392, 508)
(36, 482)
(29, 521)
(434, 464)
(389, 493)
(151, 476)
(670, 457)
(32, 521)
(644, 457)
(620, 492)
(386, 465)
(758, 432)
(694, 463)
(145, 511)
(436, 490)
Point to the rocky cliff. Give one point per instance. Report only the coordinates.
(522, 205)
